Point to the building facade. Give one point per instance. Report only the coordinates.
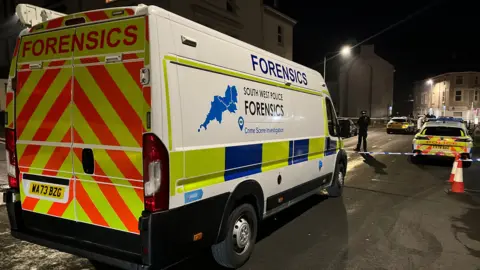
(450, 94)
(365, 83)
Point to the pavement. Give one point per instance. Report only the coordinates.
(393, 215)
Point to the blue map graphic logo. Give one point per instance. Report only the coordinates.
(219, 105)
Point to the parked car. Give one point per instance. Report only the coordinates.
(401, 125)
(347, 128)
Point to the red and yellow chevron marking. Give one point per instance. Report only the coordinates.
(441, 146)
(13, 65)
(9, 95)
(91, 16)
(109, 197)
(107, 110)
(49, 161)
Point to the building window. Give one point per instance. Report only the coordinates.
(280, 35)
(459, 80)
(231, 6)
(443, 97)
(424, 97)
(457, 114)
(476, 80)
(475, 95)
(458, 95)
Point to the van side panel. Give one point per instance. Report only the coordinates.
(238, 126)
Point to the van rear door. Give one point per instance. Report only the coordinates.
(43, 126)
(108, 112)
(80, 113)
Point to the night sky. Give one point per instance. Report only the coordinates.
(443, 38)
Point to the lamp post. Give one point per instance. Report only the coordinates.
(344, 52)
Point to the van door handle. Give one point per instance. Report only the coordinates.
(88, 161)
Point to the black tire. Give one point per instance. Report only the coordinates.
(415, 159)
(224, 252)
(336, 188)
(466, 164)
(101, 266)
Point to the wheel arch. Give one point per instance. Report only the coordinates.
(342, 158)
(248, 191)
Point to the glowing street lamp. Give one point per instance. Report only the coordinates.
(345, 52)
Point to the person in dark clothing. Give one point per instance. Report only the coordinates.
(363, 123)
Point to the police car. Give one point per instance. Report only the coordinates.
(400, 124)
(444, 137)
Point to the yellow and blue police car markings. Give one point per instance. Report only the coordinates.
(331, 147)
(300, 151)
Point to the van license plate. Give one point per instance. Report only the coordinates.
(440, 147)
(47, 190)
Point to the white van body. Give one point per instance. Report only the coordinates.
(243, 134)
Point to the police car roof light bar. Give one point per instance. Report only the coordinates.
(449, 119)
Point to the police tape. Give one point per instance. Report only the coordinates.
(405, 154)
(383, 153)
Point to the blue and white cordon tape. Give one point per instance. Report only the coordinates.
(401, 154)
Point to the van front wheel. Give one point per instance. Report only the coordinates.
(336, 188)
(235, 250)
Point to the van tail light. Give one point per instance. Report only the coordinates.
(156, 173)
(12, 165)
(420, 137)
(464, 140)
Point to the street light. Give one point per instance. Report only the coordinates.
(430, 82)
(344, 52)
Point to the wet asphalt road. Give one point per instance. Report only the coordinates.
(393, 215)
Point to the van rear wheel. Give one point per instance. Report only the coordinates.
(235, 250)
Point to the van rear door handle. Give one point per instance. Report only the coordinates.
(88, 161)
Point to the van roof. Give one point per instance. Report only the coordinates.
(88, 17)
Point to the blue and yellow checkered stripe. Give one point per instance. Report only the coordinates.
(205, 167)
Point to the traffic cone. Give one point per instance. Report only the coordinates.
(457, 185)
(454, 169)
